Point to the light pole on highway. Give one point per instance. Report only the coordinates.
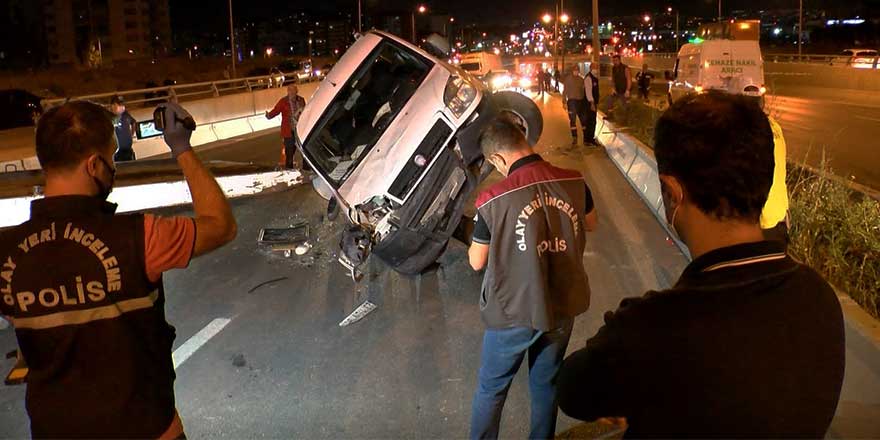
(719, 10)
(232, 38)
(801, 28)
(421, 9)
(596, 41)
(669, 10)
(360, 29)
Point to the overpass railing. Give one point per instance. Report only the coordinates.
(151, 96)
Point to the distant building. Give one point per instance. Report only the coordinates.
(87, 32)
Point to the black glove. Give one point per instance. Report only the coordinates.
(179, 126)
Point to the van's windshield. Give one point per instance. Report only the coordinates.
(471, 67)
(363, 109)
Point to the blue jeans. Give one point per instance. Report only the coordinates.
(503, 352)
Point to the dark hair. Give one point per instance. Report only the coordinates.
(617, 56)
(720, 147)
(502, 135)
(70, 133)
(116, 99)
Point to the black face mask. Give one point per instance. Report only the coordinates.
(104, 191)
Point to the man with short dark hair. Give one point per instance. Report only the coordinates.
(530, 238)
(621, 78)
(83, 287)
(126, 127)
(574, 98)
(749, 342)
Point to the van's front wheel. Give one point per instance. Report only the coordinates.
(525, 112)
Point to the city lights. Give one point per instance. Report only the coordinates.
(547, 18)
(422, 9)
(563, 18)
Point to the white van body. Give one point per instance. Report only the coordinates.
(481, 63)
(732, 66)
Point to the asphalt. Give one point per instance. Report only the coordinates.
(283, 368)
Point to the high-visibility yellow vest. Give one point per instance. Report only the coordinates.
(777, 201)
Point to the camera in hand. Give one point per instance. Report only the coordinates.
(160, 123)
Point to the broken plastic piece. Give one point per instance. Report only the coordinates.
(358, 313)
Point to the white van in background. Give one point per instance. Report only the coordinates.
(732, 66)
(480, 64)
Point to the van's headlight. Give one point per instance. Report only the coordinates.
(459, 95)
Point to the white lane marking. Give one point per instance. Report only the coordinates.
(868, 118)
(198, 340)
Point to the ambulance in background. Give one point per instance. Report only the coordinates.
(724, 56)
(480, 64)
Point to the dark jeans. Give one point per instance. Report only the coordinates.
(578, 109)
(124, 155)
(292, 155)
(503, 352)
(590, 126)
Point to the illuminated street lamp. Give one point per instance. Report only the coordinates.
(564, 18)
(421, 10)
(547, 18)
(647, 18)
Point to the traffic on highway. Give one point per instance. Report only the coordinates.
(362, 224)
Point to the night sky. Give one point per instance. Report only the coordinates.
(212, 13)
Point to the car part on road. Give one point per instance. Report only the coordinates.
(359, 313)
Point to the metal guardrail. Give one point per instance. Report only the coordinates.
(183, 92)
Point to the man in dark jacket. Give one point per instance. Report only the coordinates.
(530, 237)
(83, 287)
(749, 342)
(126, 127)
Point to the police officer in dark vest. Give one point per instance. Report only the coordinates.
(530, 237)
(83, 286)
(591, 84)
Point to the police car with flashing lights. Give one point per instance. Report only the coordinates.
(393, 135)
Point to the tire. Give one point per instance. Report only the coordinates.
(526, 111)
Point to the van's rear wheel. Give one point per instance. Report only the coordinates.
(525, 112)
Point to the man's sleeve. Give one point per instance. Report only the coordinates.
(594, 381)
(482, 234)
(589, 205)
(168, 244)
(275, 110)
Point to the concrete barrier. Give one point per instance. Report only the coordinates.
(219, 118)
(638, 165)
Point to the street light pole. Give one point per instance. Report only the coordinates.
(719, 10)
(556, 39)
(801, 29)
(596, 42)
(232, 38)
(360, 29)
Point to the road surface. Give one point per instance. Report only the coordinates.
(270, 360)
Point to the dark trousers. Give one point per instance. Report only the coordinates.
(577, 109)
(590, 125)
(503, 352)
(124, 155)
(292, 155)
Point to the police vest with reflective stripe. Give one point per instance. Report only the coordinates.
(90, 324)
